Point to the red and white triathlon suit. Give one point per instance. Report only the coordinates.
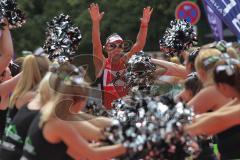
(117, 90)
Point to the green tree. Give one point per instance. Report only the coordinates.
(121, 16)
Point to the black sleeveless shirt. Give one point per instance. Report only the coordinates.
(207, 152)
(6, 117)
(10, 114)
(36, 147)
(16, 133)
(229, 143)
(3, 116)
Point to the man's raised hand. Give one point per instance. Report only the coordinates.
(96, 16)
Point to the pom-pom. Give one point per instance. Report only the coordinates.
(152, 130)
(95, 109)
(63, 39)
(8, 9)
(140, 71)
(178, 37)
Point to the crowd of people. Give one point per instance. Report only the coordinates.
(43, 113)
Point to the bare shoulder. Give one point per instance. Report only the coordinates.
(210, 92)
(54, 129)
(25, 99)
(207, 99)
(216, 96)
(206, 93)
(29, 95)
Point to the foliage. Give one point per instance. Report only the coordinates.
(121, 16)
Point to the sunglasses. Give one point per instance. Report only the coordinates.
(113, 45)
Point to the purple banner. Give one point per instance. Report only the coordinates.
(228, 11)
(215, 23)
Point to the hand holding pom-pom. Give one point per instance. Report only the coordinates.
(140, 71)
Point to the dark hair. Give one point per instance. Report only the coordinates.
(191, 58)
(193, 83)
(16, 66)
(228, 73)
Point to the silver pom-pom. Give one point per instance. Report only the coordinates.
(178, 37)
(63, 39)
(8, 9)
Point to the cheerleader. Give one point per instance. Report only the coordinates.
(33, 70)
(16, 132)
(205, 64)
(58, 131)
(225, 122)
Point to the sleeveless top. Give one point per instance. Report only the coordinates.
(16, 133)
(207, 152)
(6, 117)
(114, 86)
(11, 114)
(3, 116)
(36, 147)
(229, 143)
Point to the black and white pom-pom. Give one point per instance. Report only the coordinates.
(140, 71)
(8, 9)
(131, 135)
(152, 130)
(95, 109)
(167, 136)
(63, 39)
(130, 108)
(178, 37)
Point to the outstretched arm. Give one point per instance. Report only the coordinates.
(172, 68)
(142, 34)
(101, 122)
(212, 123)
(98, 57)
(6, 47)
(71, 137)
(8, 86)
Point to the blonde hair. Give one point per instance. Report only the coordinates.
(59, 88)
(232, 52)
(208, 45)
(202, 56)
(48, 109)
(33, 70)
(175, 60)
(44, 90)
